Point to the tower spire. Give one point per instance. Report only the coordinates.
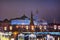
(32, 24)
(31, 19)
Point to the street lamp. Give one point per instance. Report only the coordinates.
(15, 33)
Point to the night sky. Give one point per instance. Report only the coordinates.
(49, 9)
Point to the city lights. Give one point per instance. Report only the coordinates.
(40, 27)
(32, 37)
(45, 27)
(17, 26)
(10, 27)
(59, 27)
(55, 27)
(27, 27)
(5, 28)
(3, 37)
(12, 38)
(32, 27)
(21, 36)
(15, 33)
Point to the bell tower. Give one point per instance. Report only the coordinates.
(31, 23)
(31, 19)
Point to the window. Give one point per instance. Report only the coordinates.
(5, 28)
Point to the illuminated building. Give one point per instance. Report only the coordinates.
(21, 21)
(38, 27)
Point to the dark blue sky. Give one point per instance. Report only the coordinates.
(49, 9)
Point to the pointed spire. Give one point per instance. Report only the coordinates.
(31, 19)
(31, 23)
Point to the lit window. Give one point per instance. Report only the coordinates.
(40, 27)
(22, 26)
(5, 28)
(26, 27)
(32, 27)
(59, 27)
(17, 26)
(10, 27)
(44, 27)
(55, 26)
(58, 38)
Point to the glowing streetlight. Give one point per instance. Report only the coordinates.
(15, 33)
(12, 38)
